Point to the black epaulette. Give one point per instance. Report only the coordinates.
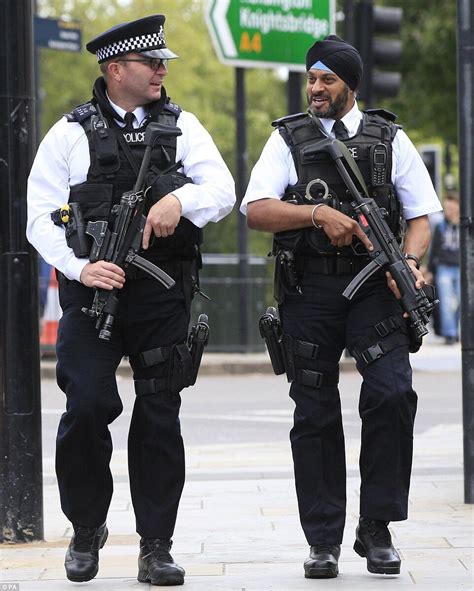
(173, 108)
(81, 113)
(281, 120)
(382, 113)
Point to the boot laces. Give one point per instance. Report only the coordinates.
(160, 549)
(325, 549)
(380, 534)
(84, 538)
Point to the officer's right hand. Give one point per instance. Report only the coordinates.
(340, 228)
(103, 275)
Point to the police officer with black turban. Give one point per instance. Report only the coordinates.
(90, 158)
(296, 193)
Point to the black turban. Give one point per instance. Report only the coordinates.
(340, 57)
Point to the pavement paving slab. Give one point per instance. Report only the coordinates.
(238, 527)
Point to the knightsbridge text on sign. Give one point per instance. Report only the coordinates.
(261, 33)
(284, 4)
(283, 23)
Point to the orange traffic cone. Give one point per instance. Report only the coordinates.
(52, 314)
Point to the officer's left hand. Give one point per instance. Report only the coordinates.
(419, 283)
(162, 218)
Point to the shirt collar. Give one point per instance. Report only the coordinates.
(139, 113)
(351, 120)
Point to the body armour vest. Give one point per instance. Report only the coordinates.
(371, 148)
(116, 155)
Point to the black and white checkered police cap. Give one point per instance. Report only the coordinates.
(145, 36)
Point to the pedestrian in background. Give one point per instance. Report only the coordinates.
(312, 244)
(90, 157)
(444, 263)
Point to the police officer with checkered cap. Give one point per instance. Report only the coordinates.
(145, 36)
(90, 157)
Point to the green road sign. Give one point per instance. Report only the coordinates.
(265, 33)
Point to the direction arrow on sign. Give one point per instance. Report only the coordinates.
(265, 33)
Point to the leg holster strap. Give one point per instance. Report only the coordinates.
(179, 372)
(154, 356)
(389, 325)
(151, 386)
(316, 379)
(379, 349)
(299, 357)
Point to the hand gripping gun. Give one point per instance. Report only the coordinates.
(120, 243)
(418, 303)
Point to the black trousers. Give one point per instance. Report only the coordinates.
(387, 407)
(149, 317)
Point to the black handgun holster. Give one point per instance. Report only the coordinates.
(175, 367)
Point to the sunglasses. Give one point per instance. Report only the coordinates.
(154, 63)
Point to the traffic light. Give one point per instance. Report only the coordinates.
(379, 54)
(431, 156)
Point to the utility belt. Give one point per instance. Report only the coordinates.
(333, 265)
(290, 268)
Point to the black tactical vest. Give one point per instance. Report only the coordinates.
(300, 131)
(115, 157)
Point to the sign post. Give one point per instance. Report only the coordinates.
(262, 34)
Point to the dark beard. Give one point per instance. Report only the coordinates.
(334, 108)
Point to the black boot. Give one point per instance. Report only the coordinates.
(156, 565)
(322, 562)
(374, 541)
(82, 556)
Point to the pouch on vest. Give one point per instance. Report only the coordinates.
(95, 199)
(89, 202)
(167, 183)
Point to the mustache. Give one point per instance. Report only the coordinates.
(320, 94)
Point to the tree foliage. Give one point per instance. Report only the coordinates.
(427, 100)
(199, 83)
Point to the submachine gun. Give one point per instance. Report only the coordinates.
(417, 303)
(120, 243)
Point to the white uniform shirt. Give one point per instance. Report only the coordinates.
(275, 170)
(63, 161)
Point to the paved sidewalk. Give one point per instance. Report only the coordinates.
(238, 525)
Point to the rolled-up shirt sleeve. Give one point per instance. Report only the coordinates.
(48, 189)
(272, 173)
(211, 195)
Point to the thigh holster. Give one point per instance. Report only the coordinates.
(302, 365)
(176, 367)
(387, 335)
(174, 364)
